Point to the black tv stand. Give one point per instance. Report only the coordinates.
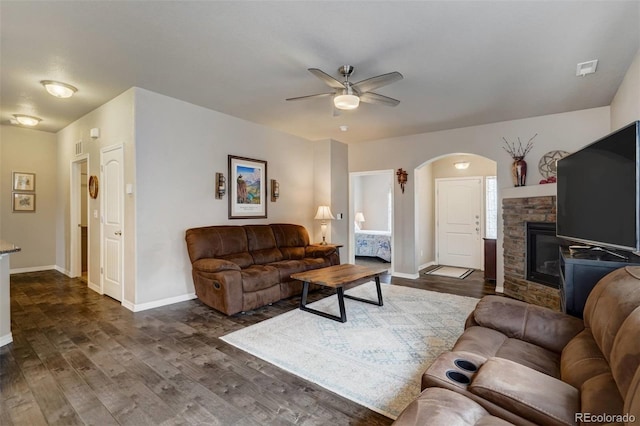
(580, 271)
(596, 250)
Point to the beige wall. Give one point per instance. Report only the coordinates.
(115, 119)
(625, 106)
(370, 197)
(179, 148)
(28, 150)
(567, 131)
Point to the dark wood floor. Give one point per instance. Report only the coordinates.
(81, 358)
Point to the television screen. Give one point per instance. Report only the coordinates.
(597, 201)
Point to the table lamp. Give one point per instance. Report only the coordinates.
(324, 214)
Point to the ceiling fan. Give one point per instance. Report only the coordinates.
(347, 95)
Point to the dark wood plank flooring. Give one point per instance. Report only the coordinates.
(81, 358)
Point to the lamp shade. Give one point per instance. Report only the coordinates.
(359, 217)
(324, 213)
(347, 101)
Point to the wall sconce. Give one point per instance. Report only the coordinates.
(461, 165)
(402, 178)
(221, 185)
(275, 190)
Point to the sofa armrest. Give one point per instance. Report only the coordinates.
(531, 323)
(317, 250)
(214, 265)
(530, 394)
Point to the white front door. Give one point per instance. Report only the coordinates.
(459, 221)
(111, 189)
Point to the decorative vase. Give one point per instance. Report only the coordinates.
(519, 171)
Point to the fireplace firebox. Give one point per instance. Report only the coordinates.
(543, 254)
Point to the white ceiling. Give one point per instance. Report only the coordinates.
(464, 63)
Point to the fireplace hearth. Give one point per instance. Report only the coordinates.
(518, 283)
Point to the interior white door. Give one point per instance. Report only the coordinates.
(112, 222)
(459, 221)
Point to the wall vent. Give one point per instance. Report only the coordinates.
(79, 148)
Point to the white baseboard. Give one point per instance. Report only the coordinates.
(157, 303)
(94, 287)
(6, 339)
(63, 271)
(426, 265)
(403, 275)
(32, 269)
(499, 289)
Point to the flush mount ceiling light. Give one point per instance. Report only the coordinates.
(26, 120)
(58, 89)
(461, 165)
(344, 128)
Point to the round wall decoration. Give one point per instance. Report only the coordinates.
(93, 186)
(547, 164)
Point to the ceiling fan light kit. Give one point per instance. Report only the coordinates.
(347, 95)
(346, 102)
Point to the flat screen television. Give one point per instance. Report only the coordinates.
(598, 200)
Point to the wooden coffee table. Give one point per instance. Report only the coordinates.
(337, 277)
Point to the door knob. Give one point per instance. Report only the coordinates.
(118, 232)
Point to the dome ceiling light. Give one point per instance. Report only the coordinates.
(26, 120)
(58, 89)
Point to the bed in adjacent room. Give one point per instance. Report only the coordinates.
(373, 244)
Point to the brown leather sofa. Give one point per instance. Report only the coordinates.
(239, 268)
(531, 365)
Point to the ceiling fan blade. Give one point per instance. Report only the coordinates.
(374, 98)
(319, 95)
(376, 82)
(328, 80)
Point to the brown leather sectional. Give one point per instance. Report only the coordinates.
(239, 268)
(537, 366)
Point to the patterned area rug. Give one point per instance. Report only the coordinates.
(450, 271)
(377, 357)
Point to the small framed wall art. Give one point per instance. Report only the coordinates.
(23, 181)
(24, 202)
(93, 187)
(247, 188)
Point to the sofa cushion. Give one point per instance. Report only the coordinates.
(316, 262)
(216, 241)
(259, 277)
(291, 239)
(581, 360)
(262, 244)
(489, 343)
(287, 267)
(523, 321)
(610, 302)
(625, 355)
(437, 406)
(526, 392)
(599, 395)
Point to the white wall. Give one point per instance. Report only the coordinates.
(179, 148)
(625, 106)
(567, 131)
(425, 216)
(372, 195)
(29, 150)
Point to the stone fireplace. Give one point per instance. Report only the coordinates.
(516, 212)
